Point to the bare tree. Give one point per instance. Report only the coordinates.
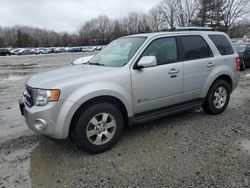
(169, 10)
(131, 22)
(234, 11)
(225, 15)
(186, 11)
(155, 19)
(143, 26)
(103, 25)
(240, 29)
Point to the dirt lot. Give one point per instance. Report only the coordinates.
(186, 150)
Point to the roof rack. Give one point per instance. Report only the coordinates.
(193, 29)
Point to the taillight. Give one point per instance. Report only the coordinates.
(238, 62)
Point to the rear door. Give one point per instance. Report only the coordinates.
(198, 62)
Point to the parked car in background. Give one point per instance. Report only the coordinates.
(45, 51)
(133, 80)
(84, 49)
(90, 49)
(25, 52)
(52, 49)
(98, 48)
(60, 50)
(243, 50)
(15, 51)
(38, 50)
(75, 49)
(4, 52)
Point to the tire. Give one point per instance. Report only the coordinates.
(242, 65)
(217, 98)
(104, 122)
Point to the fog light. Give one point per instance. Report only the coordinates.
(40, 124)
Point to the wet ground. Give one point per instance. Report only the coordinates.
(186, 150)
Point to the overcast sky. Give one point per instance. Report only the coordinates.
(65, 15)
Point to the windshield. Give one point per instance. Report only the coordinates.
(119, 52)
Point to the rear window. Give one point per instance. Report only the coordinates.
(194, 47)
(222, 44)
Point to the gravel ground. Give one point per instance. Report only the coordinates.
(185, 150)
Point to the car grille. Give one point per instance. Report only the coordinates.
(28, 95)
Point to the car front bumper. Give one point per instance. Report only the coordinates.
(52, 120)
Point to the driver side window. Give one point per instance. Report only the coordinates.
(164, 49)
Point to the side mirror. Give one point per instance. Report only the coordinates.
(147, 61)
(82, 60)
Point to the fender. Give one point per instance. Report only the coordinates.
(90, 91)
(217, 72)
(103, 89)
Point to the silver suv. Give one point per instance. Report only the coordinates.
(133, 80)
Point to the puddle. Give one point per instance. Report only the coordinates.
(15, 161)
(245, 76)
(14, 76)
(246, 145)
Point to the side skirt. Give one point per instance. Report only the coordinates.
(165, 111)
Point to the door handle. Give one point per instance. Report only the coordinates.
(210, 64)
(173, 71)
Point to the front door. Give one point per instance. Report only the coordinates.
(159, 86)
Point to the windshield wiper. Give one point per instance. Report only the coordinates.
(98, 64)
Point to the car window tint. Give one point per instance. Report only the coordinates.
(222, 44)
(164, 49)
(194, 47)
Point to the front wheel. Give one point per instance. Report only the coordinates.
(98, 128)
(217, 98)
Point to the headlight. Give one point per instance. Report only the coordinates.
(42, 97)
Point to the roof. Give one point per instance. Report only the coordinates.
(157, 34)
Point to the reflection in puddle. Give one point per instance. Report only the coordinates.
(245, 76)
(246, 145)
(14, 76)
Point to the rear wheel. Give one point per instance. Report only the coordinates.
(98, 128)
(217, 98)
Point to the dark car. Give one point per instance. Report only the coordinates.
(4, 52)
(243, 50)
(75, 49)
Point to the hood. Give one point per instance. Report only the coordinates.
(52, 79)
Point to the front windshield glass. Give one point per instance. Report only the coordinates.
(119, 52)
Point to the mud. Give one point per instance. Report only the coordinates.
(16, 140)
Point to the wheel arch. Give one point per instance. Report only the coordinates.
(100, 99)
(224, 77)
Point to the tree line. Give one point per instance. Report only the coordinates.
(223, 15)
